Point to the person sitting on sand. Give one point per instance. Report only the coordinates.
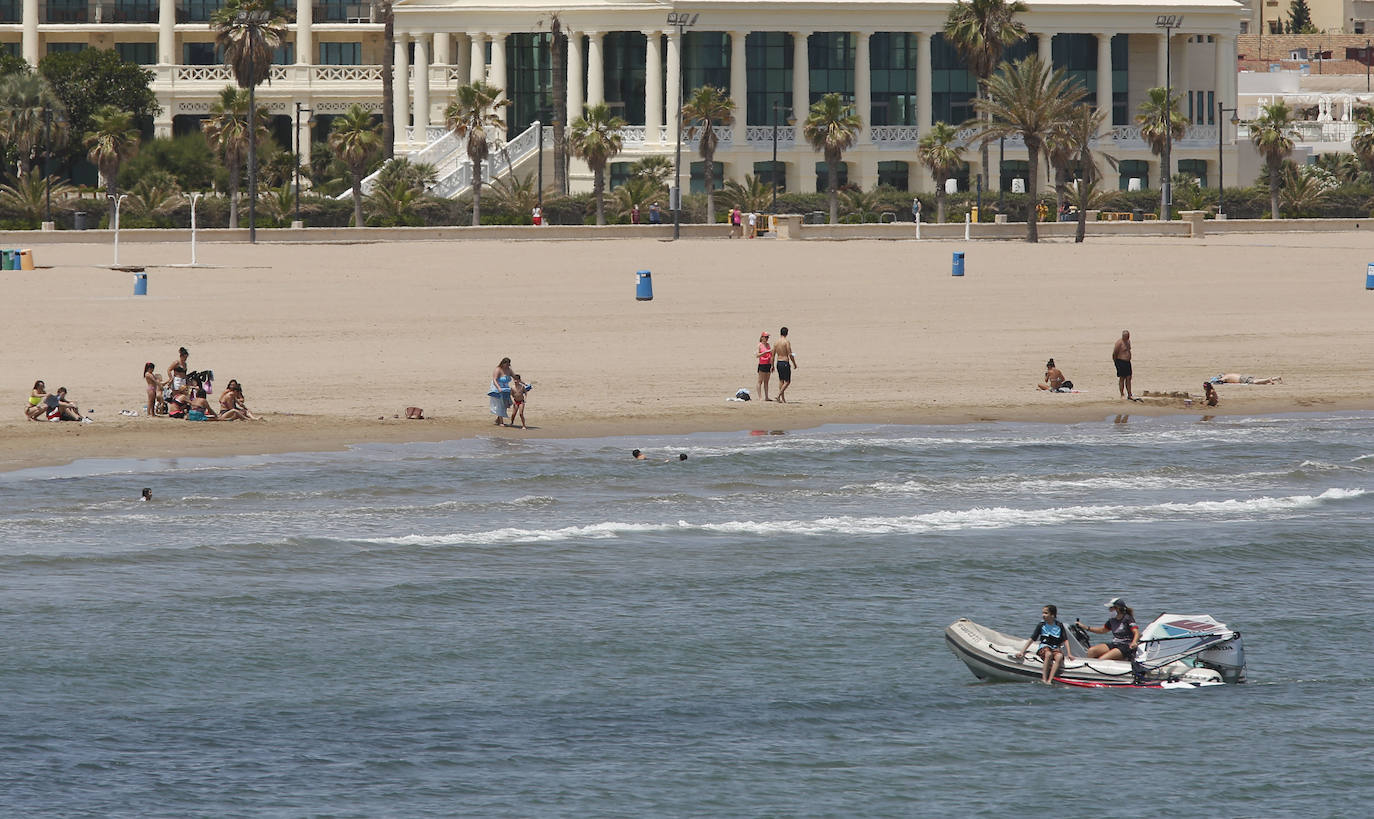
(36, 408)
(1054, 644)
(60, 409)
(1237, 378)
(200, 409)
(1209, 394)
(1054, 378)
(231, 406)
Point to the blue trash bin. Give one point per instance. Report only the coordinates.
(644, 286)
(958, 263)
(140, 284)
(1369, 277)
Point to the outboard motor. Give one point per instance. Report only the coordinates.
(1227, 659)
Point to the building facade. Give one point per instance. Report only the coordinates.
(888, 57)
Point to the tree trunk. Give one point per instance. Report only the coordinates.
(112, 191)
(987, 120)
(1274, 190)
(388, 73)
(558, 50)
(357, 198)
(1033, 188)
(599, 191)
(234, 196)
(832, 184)
(940, 201)
(1061, 184)
(476, 191)
(1082, 223)
(709, 178)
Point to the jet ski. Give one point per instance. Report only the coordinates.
(1175, 651)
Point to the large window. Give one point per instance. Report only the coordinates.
(139, 53)
(135, 11)
(953, 86)
(66, 11)
(769, 58)
(766, 172)
(1121, 114)
(699, 177)
(1076, 55)
(623, 54)
(197, 11)
(895, 175)
(893, 78)
(200, 54)
(831, 58)
(65, 48)
(530, 77)
(11, 11)
(341, 53)
(1134, 169)
(823, 176)
(705, 61)
(1194, 167)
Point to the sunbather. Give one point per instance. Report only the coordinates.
(1237, 378)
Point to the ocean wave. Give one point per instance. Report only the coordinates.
(999, 517)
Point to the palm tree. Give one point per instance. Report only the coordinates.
(1302, 191)
(24, 97)
(226, 131)
(831, 127)
(940, 151)
(27, 197)
(356, 140)
(753, 196)
(1272, 134)
(249, 31)
(156, 194)
(516, 195)
(558, 50)
(1362, 143)
(638, 190)
(471, 114)
(707, 107)
(111, 140)
(1080, 130)
(1028, 99)
(981, 30)
(596, 138)
(387, 17)
(656, 167)
(417, 175)
(393, 203)
(1152, 120)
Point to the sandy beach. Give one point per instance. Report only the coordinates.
(332, 341)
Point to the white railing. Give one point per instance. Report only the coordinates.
(725, 135)
(966, 138)
(1193, 136)
(202, 73)
(763, 134)
(501, 161)
(895, 134)
(346, 73)
(633, 135)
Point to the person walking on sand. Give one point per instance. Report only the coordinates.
(765, 356)
(517, 397)
(785, 361)
(655, 215)
(735, 222)
(500, 390)
(1121, 357)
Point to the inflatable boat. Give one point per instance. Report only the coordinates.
(1175, 651)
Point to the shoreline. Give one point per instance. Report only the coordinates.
(54, 445)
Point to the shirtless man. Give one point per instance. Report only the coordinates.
(784, 361)
(1054, 377)
(1121, 357)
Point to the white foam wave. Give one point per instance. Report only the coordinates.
(999, 517)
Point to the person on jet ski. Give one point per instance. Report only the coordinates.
(1125, 633)
(1054, 644)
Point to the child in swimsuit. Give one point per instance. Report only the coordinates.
(517, 397)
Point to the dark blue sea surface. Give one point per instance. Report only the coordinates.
(507, 627)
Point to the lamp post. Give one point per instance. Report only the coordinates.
(1221, 127)
(118, 200)
(681, 20)
(300, 109)
(773, 169)
(539, 194)
(1168, 22)
(1001, 160)
(194, 197)
(1366, 65)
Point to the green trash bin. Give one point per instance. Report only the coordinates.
(6, 259)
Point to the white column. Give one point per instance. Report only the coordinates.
(304, 38)
(305, 134)
(653, 85)
(596, 69)
(462, 59)
(400, 87)
(863, 86)
(575, 76)
(1182, 81)
(166, 31)
(1045, 48)
(30, 31)
(1104, 79)
(739, 88)
(443, 45)
(421, 83)
(496, 75)
(1161, 59)
(674, 87)
(924, 118)
(477, 65)
(801, 77)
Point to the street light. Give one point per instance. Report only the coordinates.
(1221, 126)
(1168, 22)
(118, 200)
(773, 169)
(682, 21)
(194, 197)
(300, 109)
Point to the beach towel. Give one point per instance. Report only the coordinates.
(499, 399)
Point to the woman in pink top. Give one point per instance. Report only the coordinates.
(765, 355)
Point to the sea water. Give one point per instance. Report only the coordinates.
(526, 627)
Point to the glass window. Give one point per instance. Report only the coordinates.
(1134, 169)
(893, 78)
(200, 54)
(140, 53)
(831, 55)
(67, 11)
(699, 176)
(619, 173)
(341, 53)
(197, 11)
(11, 11)
(952, 86)
(13, 49)
(285, 54)
(895, 175)
(706, 60)
(65, 48)
(1013, 169)
(823, 175)
(623, 56)
(1194, 167)
(529, 75)
(768, 55)
(766, 172)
